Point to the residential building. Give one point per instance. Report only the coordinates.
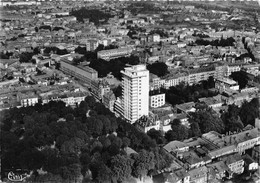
(183, 175)
(146, 123)
(157, 100)
(256, 153)
(109, 100)
(198, 75)
(185, 107)
(235, 163)
(83, 73)
(213, 102)
(192, 159)
(91, 44)
(232, 68)
(135, 96)
(246, 140)
(176, 147)
(156, 38)
(98, 88)
(118, 108)
(250, 163)
(198, 175)
(219, 168)
(27, 99)
(69, 98)
(223, 84)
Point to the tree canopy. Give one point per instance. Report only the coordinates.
(207, 120)
(114, 66)
(158, 68)
(68, 142)
(186, 93)
(222, 42)
(94, 15)
(241, 77)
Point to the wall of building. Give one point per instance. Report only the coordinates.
(82, 74)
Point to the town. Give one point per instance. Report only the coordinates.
(130, 91)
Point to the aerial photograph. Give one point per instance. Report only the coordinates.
(129, 91)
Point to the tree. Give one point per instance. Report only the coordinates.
(241, 77)
(117, 91)
(249, 111)
(85, 159)
(94, 125)
(178, 132)
(158, 68)
(94, 15)
(162, 158)
(69, 117)
(90, 101)
(234, 124)
(143, 162)
(104, 174)
(25, 57)
(72, 146)
(72, 173)
(157, 136)
(121, 167)
(211, 82)
(96, 147)
(208, 120)
(126, 142)
(195, 130)
(52, 159)
(106, 142)
(231, 119)
(257, 79)
(82, 135)
(46, 178)
(31, 159)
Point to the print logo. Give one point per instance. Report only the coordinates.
(16, 177)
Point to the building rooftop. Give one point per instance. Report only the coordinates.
(174, 145)
(233, 158)
(186, 106)
(191, 157)
(136, 68)
(227, 81)
(147, 121)
(248, 159)
(198, 172)
(219, 167)
(241, 136)
(8, 61)
(222, 151)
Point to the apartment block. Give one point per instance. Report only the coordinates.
(27, 99)
(91, 44)
(135, 98)
(223, 84)
(83, 73)
(157, 100)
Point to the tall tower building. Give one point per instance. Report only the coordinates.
(135, 94)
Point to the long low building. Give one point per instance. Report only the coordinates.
(114, 53)
(83, 73)
(68, 98)
(193, 76)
